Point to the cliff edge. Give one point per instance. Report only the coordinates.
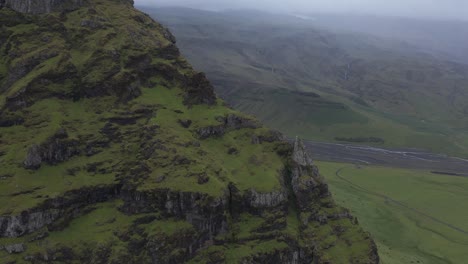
(114, 150)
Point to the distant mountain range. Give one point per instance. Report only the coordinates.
(445, 39)
(331, 80)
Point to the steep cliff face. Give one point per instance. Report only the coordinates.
(41, 6)
(114, 150)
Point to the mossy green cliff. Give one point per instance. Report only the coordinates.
(114, 150)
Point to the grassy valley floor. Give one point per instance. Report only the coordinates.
(415, 216)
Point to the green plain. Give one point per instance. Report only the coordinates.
(423, 219)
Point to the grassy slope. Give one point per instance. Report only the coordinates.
(87, 116)
(121, 157)
(23, 189)
(405, 236)
(409, 101)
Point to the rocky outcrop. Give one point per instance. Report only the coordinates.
(306, 182)
(202, 211)
(300, 155)
(208, 215)
(23, 67)
(26, 222)
(274, 199)
(288, 255)
(211, 131)
(10, 120)
(56, 149)
(52, 209)
(270, 136)
(199, 90)
(169, 36)
(186, 123)
(41, 6)
(237, 122)
(33, 158)
(229, 122)
(161, 247)
(15, 248)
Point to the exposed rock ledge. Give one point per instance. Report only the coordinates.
(208, 215)
(204, 212)
(306, 183)
(56, 149)
(50, 210)
(229, 122)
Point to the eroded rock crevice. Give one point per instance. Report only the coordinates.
(54, 150)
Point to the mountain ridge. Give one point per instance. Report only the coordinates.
(114, 150)
(366, 85)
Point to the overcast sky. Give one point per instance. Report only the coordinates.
(442, 9)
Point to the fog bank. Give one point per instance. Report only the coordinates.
(433, 9)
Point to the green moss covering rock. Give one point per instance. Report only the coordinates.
(114, 150)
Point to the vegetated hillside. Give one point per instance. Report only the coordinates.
(327, 86)
(443, 38)
(114, 150)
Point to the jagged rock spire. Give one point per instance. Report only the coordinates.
(300, 155)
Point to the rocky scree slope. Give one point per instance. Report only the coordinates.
(114, 150)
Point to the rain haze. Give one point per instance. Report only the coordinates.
(435, 9)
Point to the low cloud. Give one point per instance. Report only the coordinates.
(440, 9)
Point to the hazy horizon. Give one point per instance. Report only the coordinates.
(429, 9)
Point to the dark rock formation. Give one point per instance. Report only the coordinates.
(230, 122)
(208, 215)
(236, 122)
(270, 136)
(202, 178)
(290, 255)
(307, 184)
(258, 201)
(56, 149)
(33, 158)
(23, 67)
(199, 90)
(205, 213)
(185, 123)
(10, 120)
(92, 24)
(52, 209)
(15, 248)
(232, 151)
(211, 131)
(171, 52)
(169, 36)
(161, 247)
(300, 155)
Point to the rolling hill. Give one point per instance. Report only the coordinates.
(326, 85)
